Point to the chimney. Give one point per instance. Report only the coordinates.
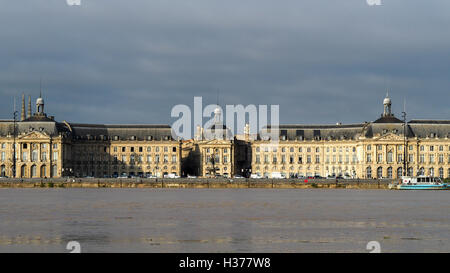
(29, 107)
(22, 116)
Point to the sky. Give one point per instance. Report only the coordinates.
(321, 61)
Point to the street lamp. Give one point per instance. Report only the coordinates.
(15, 113)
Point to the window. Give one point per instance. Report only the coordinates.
(258, 158)
(369, 158)
(379, 172)
(399, 158)
(317, 150)
(441, 158)
(54, 171)
(44, 156)
(34, 155)
(123, 149)
(140, 149)
(399, 172)
(422, 158)
(389, 157)
(24, 156)
(431, 148)
(380, 158)
(369, 172)
(174, 149)
(317, 159)
(441, 172)
(149, 149)
(411, 159)
(55, 156)
(308, 159)
(369, 147)
(33, 171)
(274, 159)
(55, 146)
(174, 158)
(165, 159)
(115, 149)
(389, 172)
(225, 159)
(431, 158)
(132, 149)
(410, 171)
(422, 148)
(431, 171)
(166, 149)
(379, 147)
(149, 159)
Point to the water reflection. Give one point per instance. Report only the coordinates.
(241, 220)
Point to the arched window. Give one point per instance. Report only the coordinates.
(422, 171)
(22, 171)
(54, 172)
(369, 172)
(431, 171)
(399, 172)
(33, 171)
(379, 172)
(389, 172)
(43, 171)
(410, 171)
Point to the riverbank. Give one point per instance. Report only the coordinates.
(198, 183)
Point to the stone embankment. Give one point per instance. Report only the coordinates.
(197, 183)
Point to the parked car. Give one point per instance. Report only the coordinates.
(171, 175)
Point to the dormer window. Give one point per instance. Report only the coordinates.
(150, 138)
(133, 138)
(116, 137)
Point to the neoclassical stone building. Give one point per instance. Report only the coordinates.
(365, 150)
(47, 148)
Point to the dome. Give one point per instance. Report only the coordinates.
(40, 101)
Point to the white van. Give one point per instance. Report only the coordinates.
(278, 175)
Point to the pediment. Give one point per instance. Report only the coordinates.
(34, 135)
(389, 136)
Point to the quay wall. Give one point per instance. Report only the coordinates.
(197, 183)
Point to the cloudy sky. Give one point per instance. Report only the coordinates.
(322, 61)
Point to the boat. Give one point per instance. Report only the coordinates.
(419, 183)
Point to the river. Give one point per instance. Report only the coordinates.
(223, 220)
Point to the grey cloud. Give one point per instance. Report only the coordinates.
(322, 61)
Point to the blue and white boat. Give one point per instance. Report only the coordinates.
(419, 183)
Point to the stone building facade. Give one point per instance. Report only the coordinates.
(366, 150)
(47, 148)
